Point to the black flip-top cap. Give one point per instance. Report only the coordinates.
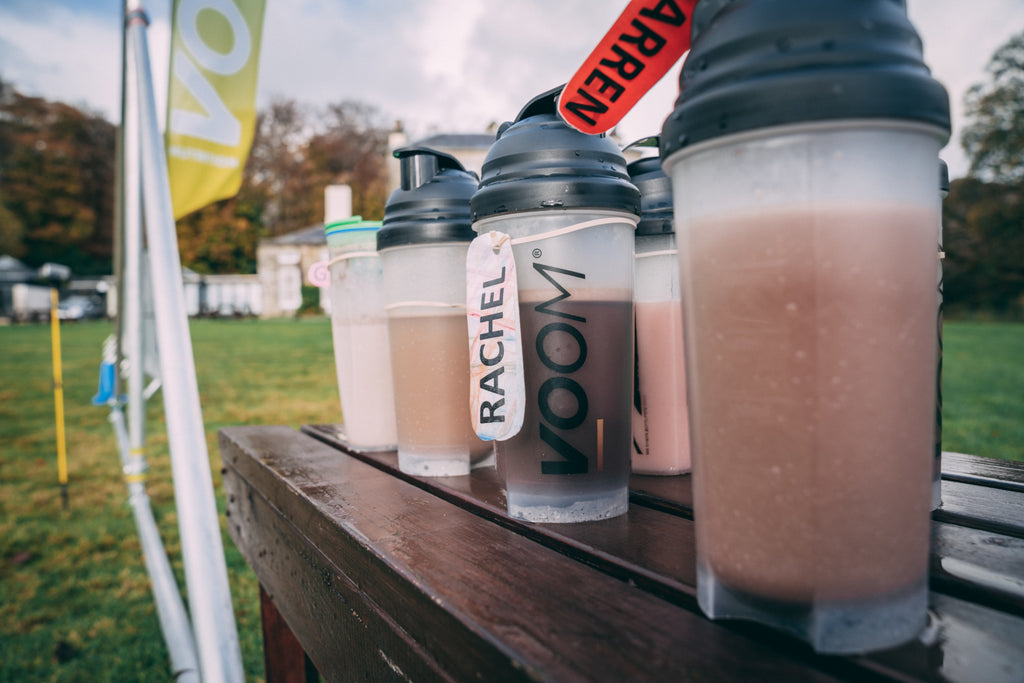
(432, 204)
(539, 162)
(655, 190)
(761, 63)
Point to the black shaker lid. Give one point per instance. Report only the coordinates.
(761, 63)
(432, 204)
(540, 162)
(655, 190)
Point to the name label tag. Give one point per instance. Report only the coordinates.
(497, 389)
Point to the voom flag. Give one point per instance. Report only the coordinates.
(211, 100)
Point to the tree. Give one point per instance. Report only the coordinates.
(298, 151)
(352, 149)
(57, 182)
(994, 138)
(278, 176)
(984, 245)
(57, 175)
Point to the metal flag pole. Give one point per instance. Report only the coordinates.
(170, 607)
(213, 622)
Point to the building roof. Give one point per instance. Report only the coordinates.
(311, 235)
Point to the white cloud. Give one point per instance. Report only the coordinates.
(439, 65)
(58, 53)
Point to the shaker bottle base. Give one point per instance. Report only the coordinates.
(533, 508)
(437, 464)
(831, 627)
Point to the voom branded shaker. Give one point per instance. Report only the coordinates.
(565, 200)
(802, 151)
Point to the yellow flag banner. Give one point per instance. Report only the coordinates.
(211, 100)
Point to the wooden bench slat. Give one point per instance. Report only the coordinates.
(338, 535)
(633, 548)
(982, 507)
(973, 469)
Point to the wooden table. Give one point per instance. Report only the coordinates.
(379, 576)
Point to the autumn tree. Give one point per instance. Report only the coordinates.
(278, 180)
(351, 149)
(994, 138)
(984, 214)
(57, 180)
(297, 151)
(984, 244)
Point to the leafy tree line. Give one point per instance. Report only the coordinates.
(57, 180)
(983, 220)
(58, 176)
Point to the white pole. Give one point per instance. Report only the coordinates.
(169, 606)
(213, 622)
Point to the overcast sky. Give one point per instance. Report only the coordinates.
(436, 65)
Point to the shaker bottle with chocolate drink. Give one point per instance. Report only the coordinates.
(359, 328)
(422, 246)
(565, 200)
(937, 471)
(661, 435)
(802, 152)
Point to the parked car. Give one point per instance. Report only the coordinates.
(78, 308)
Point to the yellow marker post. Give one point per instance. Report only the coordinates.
(58, 400)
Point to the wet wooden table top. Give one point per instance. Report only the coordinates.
(383, 576)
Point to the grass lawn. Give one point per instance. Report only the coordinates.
(75, 603)
(983, 389)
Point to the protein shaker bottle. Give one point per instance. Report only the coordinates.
(359, 327)
(661, 435)
(802, 152)
(565, 200)
(423, 245)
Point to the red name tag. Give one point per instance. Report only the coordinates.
(645, 42)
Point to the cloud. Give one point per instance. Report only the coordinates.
(454, 65)
(53, 52)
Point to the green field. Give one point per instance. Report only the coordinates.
(74, 596)
(75, 603)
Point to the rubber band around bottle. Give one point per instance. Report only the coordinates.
(350, 255)
(663, 252)
(566, 230)
(423, 304)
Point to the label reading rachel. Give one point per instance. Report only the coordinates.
(496, 386)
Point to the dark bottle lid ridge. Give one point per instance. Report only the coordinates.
(538, 162)
(767, 63)
(432, 204)
(656, 208)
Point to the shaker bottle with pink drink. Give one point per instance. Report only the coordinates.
(565, 201)
(359, 327)
(661, 435)
(802, 152)
(422, 246)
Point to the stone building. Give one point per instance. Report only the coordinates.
(282, 264)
